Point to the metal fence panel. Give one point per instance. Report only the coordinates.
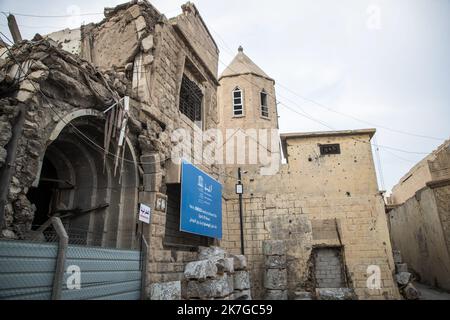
(105, 273)
(27, 269)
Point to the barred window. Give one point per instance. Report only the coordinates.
(191, 98)
(264, 106)
(238, 102)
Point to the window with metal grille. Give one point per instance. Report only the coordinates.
(191, 98)
(238, 102)
(264, 106)
(330, 149)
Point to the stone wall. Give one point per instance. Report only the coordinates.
(328, 201)
(329, 268)
(420, 230)
(134, 51)
(68, 84)
(435, 166)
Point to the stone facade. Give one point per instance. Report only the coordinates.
(419, 217)
(136, 52)
(435, 166)
(420, 230)
(317, 201)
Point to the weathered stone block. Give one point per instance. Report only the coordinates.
(397, 256)
(275, 279)
(152, 182)
(241, 295)
(240, 262)
(403, 278)
(200, 270)
(303, 295)
(276, 262)
(241, 280)
(410, 292)
(140, 23)
(401, 267)
(211, 253)
(335, 294)
(274, 247)
(165, 291)
(147, 43)
(225, 265)
(211, 288)
(276, 295)
(151, 163)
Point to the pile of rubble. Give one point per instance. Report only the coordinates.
(215, 276)
(404, 278)
(45, 82)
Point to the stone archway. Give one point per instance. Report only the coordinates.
(98, 206)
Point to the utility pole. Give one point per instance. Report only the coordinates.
(14, 29)
(240, 191)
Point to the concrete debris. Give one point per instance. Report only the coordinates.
(403, 278)
(401, 267)
(334, 294)
(220, 287)
(213, 253)
(165, 291)
(240, 262)
(241, 295)
(200, 270)
(303, 295)
(276, 295)
(397, 256)
(241, 280)
(225, 265)
(215, 277)
(410, 292)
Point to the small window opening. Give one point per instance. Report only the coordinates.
(238, 102)
(264, 105)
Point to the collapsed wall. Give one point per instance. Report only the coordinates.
(42, 84)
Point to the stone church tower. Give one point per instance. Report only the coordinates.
(248, 110)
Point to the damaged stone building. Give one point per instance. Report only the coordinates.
(89, 123)
(419, 218)
(61, 148)
(324, 204)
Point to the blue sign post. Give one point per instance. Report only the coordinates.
(201, 202)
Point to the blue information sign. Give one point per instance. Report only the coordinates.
(201, 202)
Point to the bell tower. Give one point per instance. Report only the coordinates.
(248, 111)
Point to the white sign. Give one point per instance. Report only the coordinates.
(239, 189)
(144, 213)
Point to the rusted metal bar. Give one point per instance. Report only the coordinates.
(61, 258)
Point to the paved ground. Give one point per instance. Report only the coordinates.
(430, 293)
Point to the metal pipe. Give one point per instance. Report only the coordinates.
(241, 213)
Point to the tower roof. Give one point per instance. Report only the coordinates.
(242, 64)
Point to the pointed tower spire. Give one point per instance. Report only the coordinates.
(242, 64)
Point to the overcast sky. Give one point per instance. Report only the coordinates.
(385, 62)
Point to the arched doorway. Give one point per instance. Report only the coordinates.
(97, 204)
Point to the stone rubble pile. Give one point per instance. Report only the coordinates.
(216, 275)
(404, 278)
(275, 276)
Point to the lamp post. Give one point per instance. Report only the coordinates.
(240, 191)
